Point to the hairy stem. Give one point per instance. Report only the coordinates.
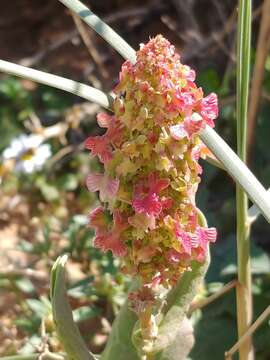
(145, 321)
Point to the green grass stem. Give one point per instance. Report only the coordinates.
(243, 293)
(71, 86)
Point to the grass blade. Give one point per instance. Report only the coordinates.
(243, 290)
(66, 328)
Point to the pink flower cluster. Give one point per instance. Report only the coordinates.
(150, 151)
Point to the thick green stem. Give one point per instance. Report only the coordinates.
(244, 295)
(73, 87)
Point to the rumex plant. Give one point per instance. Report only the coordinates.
(150, 151)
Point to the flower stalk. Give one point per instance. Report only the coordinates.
(243, 290)
(146, 329)
(58, 82)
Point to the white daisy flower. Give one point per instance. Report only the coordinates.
(28, 152)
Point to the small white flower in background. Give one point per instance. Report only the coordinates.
(28, 152)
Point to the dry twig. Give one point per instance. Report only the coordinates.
(29, 273)
(86, 37)
(248, 333)
(204, 302)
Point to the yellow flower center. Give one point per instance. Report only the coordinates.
(27, 155)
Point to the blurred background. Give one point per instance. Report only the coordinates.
(43, 165)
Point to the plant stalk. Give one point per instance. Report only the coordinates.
(73, 87)
(243, 290)
(146, 329)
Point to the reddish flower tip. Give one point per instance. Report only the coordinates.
(106, 186)
(97, 219)
(209, 109)
(109, 241)
(99, 146)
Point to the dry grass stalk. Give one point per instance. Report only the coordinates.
(86, 38)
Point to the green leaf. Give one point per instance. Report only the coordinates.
(49, 191)
(178, 302)
(224, 261)
(85, 313)
(214, 335)
(119, 345)
(179, 349)
(25, 246)
(40, 308)
(83, 288)
(25, 285)
(67, 182)
(209, 80)
(62, 314)
(30, 325)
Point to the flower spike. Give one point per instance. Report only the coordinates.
(150, 152)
